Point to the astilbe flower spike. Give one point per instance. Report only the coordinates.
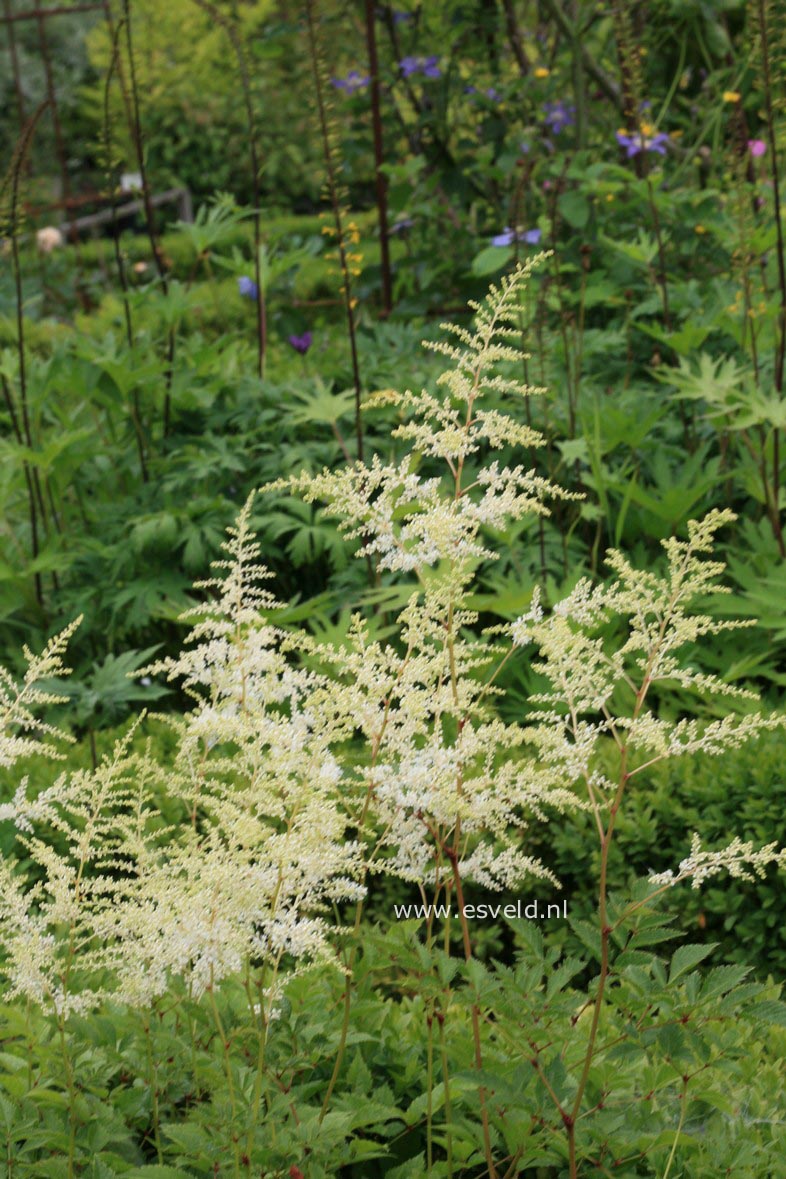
(445, 772)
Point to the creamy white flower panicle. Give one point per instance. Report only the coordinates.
(580, 718)
(51, 930)
(444, 777)
(265, 846)
(739, 859)
(21, 732)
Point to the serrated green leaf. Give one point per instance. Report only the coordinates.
(686, 957)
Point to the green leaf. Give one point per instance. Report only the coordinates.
(575, 208)
(157, 1171)
(414, 1168)
(769, 1011)
(686, 957)
(491, 260)
(722, 979)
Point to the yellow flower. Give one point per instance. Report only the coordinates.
(542, 72)
(699, 229)
(731, 96)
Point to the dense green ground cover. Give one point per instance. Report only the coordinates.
(150, 384)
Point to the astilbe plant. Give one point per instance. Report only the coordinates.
(303, 765)
(451, 788)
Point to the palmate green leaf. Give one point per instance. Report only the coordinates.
(320, 407)
(642, 251)
(559, 979)
(187, 1136)
(56, 1168)
(215, 224)
(686, 957)
(46, 458)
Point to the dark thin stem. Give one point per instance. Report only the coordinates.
(340, 234)
(484, 1113)
(23, 418)
(245, 85)
(379, 159)
(514, 37)
(136, 419)
(20, 96)
(158, 258)
(606, 84)
(780, 356)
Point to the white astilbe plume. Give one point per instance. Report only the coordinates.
(20, 729)
(264, 845)
(442, 779)
(302, 763)
(50, 930)
(739, 859)
(601, 693)
(408, 521)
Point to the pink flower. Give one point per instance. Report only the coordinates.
(757, 147)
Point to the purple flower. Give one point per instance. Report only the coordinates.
(644, 141)
(402, 225)
(509, 236)
(248, 288)
(558, 115)
(400, 18)
(492, 94)
(757, 147)
(302, 343)
(353, 82)
(427, 66)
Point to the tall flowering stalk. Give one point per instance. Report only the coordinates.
(448, 804)
(135, 128)
(769, 49)
(236, 41)
(601, 694)
(19, 410)
(343, 231)
(449, 786)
